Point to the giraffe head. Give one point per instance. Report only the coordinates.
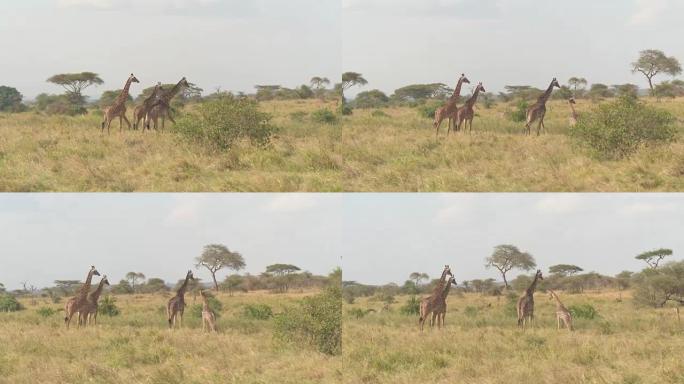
(190, 275)
(134, 79)
(447, 270)
(452, 280)
(554, 83)
(184, 82)
(539, 275)
(94, 271)
(464, 79)
(104, 280)
(572, 100)
(480, 87)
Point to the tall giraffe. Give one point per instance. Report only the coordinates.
(118, 109)
(538, 110)
(141, 111)
(574, 116)
(562, 313)
(441, 308)
(467, 113)
(526, 302)
(176, 306)
(208, 316)
(428, 304)
(162, 107)
(75, 304)
(89, 309)
(449, 109)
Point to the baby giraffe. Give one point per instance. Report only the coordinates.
(208, 317)
(562, 313)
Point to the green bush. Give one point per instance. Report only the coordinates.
(379, 113)
(427, 110)
(324, 116)
(214, 305)
(9, 303)
(46, 312)
(220, 122)
(346, 110)
(519, 114)
(258, 311)
(617, 129)
(412, 307)
(315, 321)
(107, 307)
(583, 311)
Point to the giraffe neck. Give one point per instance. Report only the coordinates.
(440, 285)
(153, 96)
(533, 286)
(473, 98)
(574, 113)
(446, 289)
(457, 92)
(205, 303)
(545, 96)
(96, 295)
(181, 290)
(86, 287)
(124, 93)
(172, 92)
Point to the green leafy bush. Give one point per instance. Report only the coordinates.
(346, 110)
(412, 307)
(258, 311)
(46, 312)
(219, 123)
(214, 305)
(107, 307)
(315, 321)
(9, 303)
(583, 311)
(324, 116)
(427, 110)
(519, 114)
(617, 129)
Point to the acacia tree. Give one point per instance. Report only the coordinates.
(319, 82)
(283, 273)
(576, 82)
(75, 83)
(10, 99)
(653, 258)
(564, 270)
(216, 257)
(652, 62)
(352, 79)
(417, 277)
(656, 287)
(134, 277)
(507, 257)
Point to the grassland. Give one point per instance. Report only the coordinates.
(137, 347)
(57, 153)
(481, 344)
(399, 152)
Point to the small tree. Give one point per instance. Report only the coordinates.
(74, 84)
(283, 273)
(231, 282)
(352, 79)
(652, 62)
(656, 287)
(577, 82)
(134, 277)
(507, 257)
(417, 277)
(653, 258)
(564, 270)
(216, 257)
(10, 100)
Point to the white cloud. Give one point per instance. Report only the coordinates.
(290, 203)
(648, 11)
(561, 203)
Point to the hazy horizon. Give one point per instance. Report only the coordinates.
(49, 237)
(230, 44)
(387, 237)
(395, 43)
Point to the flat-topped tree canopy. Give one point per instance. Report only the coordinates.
(76, 82)
(653, 258)
(564, 269)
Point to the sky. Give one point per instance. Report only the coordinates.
(394, 43)
(47, 237)
(386, 237)
(232, 44)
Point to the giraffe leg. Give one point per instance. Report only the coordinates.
(127, 122)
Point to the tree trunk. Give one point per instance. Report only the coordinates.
(213, 277)
(650, 84)
(504, 277)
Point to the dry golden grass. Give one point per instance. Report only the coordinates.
(481, 344)
(137, 347)
(400, 153)
(57, 153)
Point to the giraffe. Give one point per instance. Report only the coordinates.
(466, 113)
(538, 110)
(89, 309)
(176, 306)
(428, 304)
(440, 310)
(162, 107)
(562, 313)
(75, 304)
(208, 317)
(141, 111)
(526, 302)
(118, 109)
(449, 109)
(573, 118)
